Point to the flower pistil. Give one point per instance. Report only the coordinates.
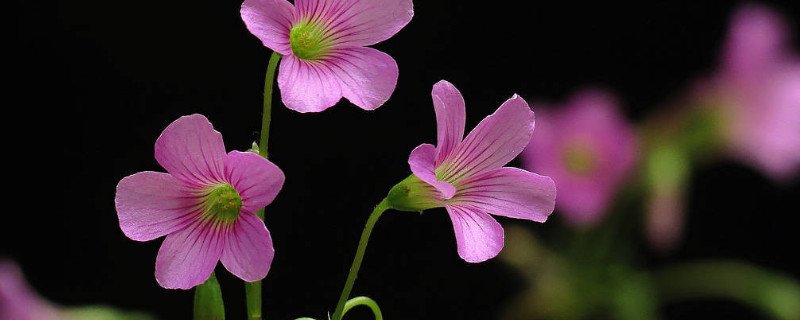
(309, 40)
(222, 203)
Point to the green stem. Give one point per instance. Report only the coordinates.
(362, 246)
(357, 301)
(208, 303)
(266, 116)
(253, 289)
(774, 294)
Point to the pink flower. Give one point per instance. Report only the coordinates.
(467, 176)
(17, 299)
(204, 205)
(757, 91)
(323, 47)
(588, 148)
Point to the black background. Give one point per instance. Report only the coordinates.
(93, 83)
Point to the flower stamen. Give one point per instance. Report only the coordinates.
(222, 203)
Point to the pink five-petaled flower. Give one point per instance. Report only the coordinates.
(588, 148)
(757, 91)
(323, 43)
(467, 176)
(204, 205)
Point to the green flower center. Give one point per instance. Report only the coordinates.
(579, 159)
(222, 203)
(308, 41)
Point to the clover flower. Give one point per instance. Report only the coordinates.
(18, 301)
(204, 205)
(588, 148)
(757, 92)
(323, 43)
(467, 176)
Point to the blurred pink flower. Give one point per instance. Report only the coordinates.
(757, 91)
(467, 176)
(588, 148)
(17, 299)
(205, 206)
(323, 43)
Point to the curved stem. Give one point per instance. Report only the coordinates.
(253, 289)
(774, 294)
(266, 116)
(362, 246)
(357, 301)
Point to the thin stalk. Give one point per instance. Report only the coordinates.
(362, 247)
(253, 289)
(364, 301)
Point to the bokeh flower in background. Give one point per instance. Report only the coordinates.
(323, 43)
(756, 92)
(466, 175)
(205, 206)
(588, 148)
(18, 301)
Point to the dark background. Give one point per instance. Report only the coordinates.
(93, 83)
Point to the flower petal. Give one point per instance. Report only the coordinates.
(758, 38)
(509, 192)
(256, 179)
(497, 140)
(270, 21)
(367, 76)
(358, 22)
(421, 163)
(450, 118)
(478, 236)
(153, 204)
(248, 249)
(307, 86)
(191, 150)
(187, 257)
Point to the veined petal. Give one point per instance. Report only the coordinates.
(270, 21)
(357, 22)
(153, 204)
(257, 180)
(448, 103)
(509, 192)
(421, 163)
(497, 140)
(248, 249)
(187, 257)
(191, 150)
(367, 76)
(478, 236)
(307, 86)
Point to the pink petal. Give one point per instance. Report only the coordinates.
(248, 249)
(358, 22)
(450, 118)
(153, 204)
(478, 236)
(18, 301)
(367, 76)
(497, 140)
(191, 150)
(257, 180)
(270, 21)
(757, 39)
(421, 163)
(509, 192)
(307, 86)
(187, 257)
